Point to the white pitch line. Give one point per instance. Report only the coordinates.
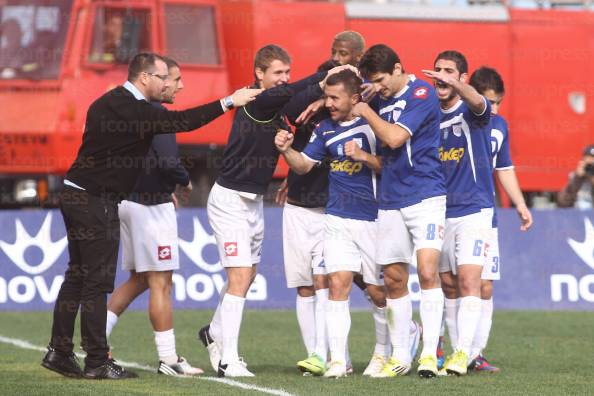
(277, 392)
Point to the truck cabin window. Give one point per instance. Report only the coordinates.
(191, 34)
(119, 34)
(32, 38)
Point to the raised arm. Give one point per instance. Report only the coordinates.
(475, 101)
(300, 102)
(272, 100)
(144, 118)
(392, 135)
(296, 161)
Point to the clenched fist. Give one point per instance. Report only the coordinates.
(283, 140)
(352, 149)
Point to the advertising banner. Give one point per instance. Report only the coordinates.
(550, 267)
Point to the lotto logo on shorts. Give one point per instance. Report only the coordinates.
(230, 249)
(164, 252)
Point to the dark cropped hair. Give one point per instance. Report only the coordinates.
(456, 57)
(143, 62)
(348, 78)
(485, 78)
(170, 62)
(378, 59)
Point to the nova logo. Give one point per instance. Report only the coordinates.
(577, 287)
(346, 166)
(453, 154)
(202, 286)
(24, 241)
(33, 256)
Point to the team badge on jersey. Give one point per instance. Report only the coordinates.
(421, 93)
(231, 249)
(164, 253)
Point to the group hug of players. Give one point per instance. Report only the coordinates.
(386, 170)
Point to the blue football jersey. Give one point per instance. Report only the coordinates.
(411, 172)
(500, 143)
(500, 148)
(352, 185)
(466, 158)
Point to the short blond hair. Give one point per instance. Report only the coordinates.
(355, 38)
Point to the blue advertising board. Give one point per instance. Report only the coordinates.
(550, 267)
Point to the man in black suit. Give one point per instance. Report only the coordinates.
(118, 132)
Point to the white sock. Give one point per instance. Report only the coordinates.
(112, 319)
(431, 310)
(306, 317)
(231, 313)
(382, 334)
(338, 325)
(165, 342)
(469, 315)
(483, 329)
(347, 354)
(399, 316)
(451, 319)
(216, 331)
(321, 333)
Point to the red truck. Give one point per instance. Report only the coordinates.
(57, 56)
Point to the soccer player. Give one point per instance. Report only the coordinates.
(235, 207)
(303, 234)
(148, 228)
(405, 118)
(489, 83)
(465, 153)
(304, 198)
(350, 227)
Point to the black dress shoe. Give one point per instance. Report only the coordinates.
(108, 370)
(66, 365)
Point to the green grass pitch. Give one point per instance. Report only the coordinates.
(539, 353)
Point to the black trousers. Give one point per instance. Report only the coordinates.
(93, 230)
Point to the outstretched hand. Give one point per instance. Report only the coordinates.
(440, 76)
(310, 111)
(243, 96)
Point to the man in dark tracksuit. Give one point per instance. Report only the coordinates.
(149, 240)
(118, 132)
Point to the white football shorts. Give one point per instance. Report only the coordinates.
(349, 245)
(402, 231)
(148, 234)
(303, 241)
(237, 220)
(468, 240)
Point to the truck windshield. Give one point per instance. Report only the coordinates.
(32, 38)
